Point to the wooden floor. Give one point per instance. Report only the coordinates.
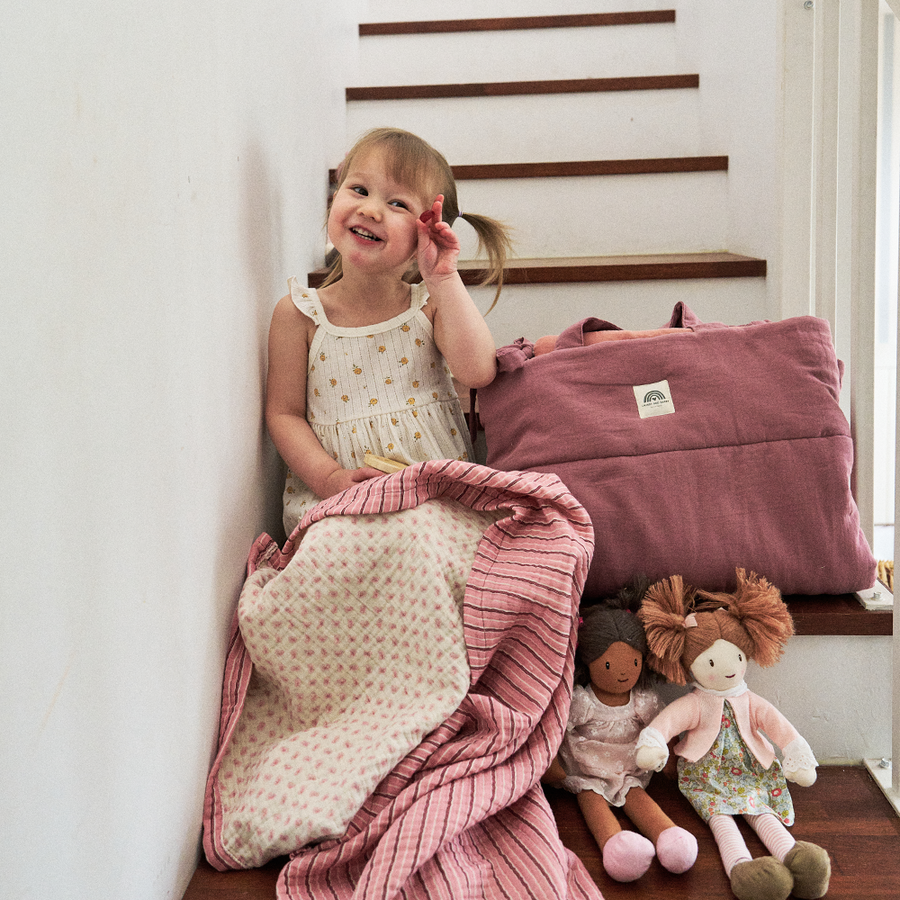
(844, 811)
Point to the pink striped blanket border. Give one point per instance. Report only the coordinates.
(467, 801)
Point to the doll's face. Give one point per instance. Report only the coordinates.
(617, 671)
(721, 667)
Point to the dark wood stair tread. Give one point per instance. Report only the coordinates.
(562, 270)
(516, 23)
(593, 167)
(649, 267)
(837, 614)
(513, 88)
(580, 168)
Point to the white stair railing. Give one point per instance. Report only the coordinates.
(831, 65)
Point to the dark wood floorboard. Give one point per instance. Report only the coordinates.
(844, 811)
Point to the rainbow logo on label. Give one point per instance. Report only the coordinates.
(654, 399)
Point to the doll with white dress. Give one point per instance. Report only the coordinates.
(727, 767)
(612, 701)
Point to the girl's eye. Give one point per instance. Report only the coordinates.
(399, 203)
(359, 189)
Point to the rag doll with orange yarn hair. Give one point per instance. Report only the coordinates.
(726, 766)
(612, 700)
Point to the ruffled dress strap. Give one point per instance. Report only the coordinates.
(306, 300)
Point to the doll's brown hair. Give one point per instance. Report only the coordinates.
(413, 161)
(682, 623)
(609, 621)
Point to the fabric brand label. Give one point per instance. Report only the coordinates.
(654, 399)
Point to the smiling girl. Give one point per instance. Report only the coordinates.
(363, 364)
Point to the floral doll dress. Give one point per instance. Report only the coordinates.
(729, 780)
(383, 389)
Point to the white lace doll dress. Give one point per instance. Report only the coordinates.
(383, 388)
(599, 747)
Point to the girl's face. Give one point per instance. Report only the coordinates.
(372, 221)
(614, 674)
(720, 667)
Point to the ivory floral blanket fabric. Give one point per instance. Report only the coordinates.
(398, 679)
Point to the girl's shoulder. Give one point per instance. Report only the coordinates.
(306, 300)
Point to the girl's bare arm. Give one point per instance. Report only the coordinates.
(460, 331)
(297, 443)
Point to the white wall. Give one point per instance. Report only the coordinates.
(163, 172)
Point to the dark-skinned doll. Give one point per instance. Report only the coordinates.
(612, 701)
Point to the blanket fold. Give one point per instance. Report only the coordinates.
(398, 678)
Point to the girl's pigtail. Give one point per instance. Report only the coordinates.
(664, 610)
(493, 236)
(758, 607)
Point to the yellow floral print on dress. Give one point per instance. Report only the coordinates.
(371, 408)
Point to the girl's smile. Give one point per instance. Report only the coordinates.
(372, 221)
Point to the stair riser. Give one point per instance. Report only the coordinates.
(520, 55)
(684, 212)
(560, 126)
(535, 310)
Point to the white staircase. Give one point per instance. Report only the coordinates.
(586, 130)
(637, 159)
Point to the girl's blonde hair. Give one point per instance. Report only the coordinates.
(414, 162)
(682, 623)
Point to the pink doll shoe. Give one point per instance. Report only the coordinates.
(676, 849)
(627, 855)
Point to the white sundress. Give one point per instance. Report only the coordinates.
(383, 388)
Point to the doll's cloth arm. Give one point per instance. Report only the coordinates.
(799, 763)
(767, 718)
(683, 714)
(798, 758)
(651, 740)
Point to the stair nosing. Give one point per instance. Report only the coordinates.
(584, 168)
(518, 88)
(643, 267)
(518, 23)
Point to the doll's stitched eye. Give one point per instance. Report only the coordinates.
(635, 663)
(712, 664)
(607, 667)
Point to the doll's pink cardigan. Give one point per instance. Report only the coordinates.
(699, 715)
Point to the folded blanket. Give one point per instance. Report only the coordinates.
(389, 740)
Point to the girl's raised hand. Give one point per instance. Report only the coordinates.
(438, 248)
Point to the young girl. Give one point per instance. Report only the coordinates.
(610, 706)
(726, 766)
(363, 364)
